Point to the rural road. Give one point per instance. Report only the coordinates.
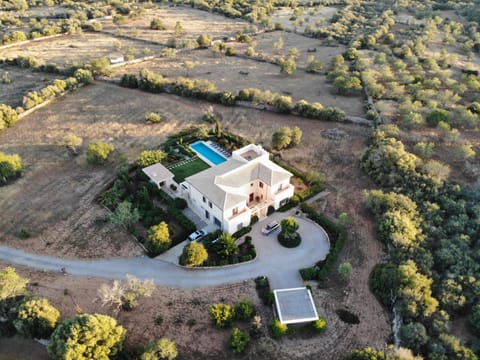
(279, 264)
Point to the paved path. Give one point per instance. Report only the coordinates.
(280, 264)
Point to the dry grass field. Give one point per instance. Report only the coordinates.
(310, 16)
(194, 23)
(68, 50)
(16, 82)
(228, 74)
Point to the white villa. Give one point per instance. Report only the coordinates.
(229, 194)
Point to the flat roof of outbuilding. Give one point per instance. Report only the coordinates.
(295, 305)
(158, 173)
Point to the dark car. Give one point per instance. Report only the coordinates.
(197, 235)
(274, 225)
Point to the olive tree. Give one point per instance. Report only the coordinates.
(11, 167)
(87, 336)
(37, 318)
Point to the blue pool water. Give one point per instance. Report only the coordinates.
(207, 153)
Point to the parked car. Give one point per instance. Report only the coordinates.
(197, 235)
(267, 229)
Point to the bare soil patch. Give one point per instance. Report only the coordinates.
(78, 49)
(194, 23)
(16, 82)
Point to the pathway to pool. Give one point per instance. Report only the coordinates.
(280, 264)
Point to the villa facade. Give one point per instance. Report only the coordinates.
(245, 185)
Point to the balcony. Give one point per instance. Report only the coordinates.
(284, 190)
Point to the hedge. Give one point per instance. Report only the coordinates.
(337, 235)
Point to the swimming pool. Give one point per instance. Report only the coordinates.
(207, 154)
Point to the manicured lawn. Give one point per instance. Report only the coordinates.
(187, 169)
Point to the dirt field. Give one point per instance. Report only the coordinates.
(68, 50)
(194, 23)
(227, 74)
(310, 16)
(16, 82)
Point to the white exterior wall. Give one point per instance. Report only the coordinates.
(199, 207)
(284, 194)
(243, 218)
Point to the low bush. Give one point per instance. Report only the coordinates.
(153, 117)
(222, 315)
(37, 318)
(239, 340)
(98, 152)
(246, 258)
(310, 273)
(319, 325)
(151, 157)
(279, 329)
(244, 310)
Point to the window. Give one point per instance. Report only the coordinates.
(260, 184)
(280, 187)
(239, 226)
(251, 184)
(217, 222)
(235, 211)
(210, 204)
(207, 214)
(203, 198)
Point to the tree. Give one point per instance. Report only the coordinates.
(11, 284)
(289, 237)
(281, 138)
(204, 40)
(194, 254)
(100, 66)
(239, 340)
(124, 214)
(157, 24)
(83, 76)
(86, 337)
(227, 246)
(296, 137)
(159, 350)
(8, 116)
(222, 315)
(72, 143)
(344, 270)
(314, 65)
(37, 318)
(158, 239)
(437, 115)
(424, 150)
(98, 152)
(150, 157)
(413, 336)
(11, 167)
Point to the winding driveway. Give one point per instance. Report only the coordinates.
(280, 264)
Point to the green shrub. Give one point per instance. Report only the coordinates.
(91, 336)
(278, 329)
(158, 240)
(37, 318)
(151, 157)
(129, 81)
(11, 167)
(8, 116)
(98, 152)
(244, 310)
(194, 254)
(180, 203)
(319, 325)
(239, 340)
(230, 51)
(157, 24)
(222, 315)
(289, 240)
(246, 258)
(153, 117)
(310, 273)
